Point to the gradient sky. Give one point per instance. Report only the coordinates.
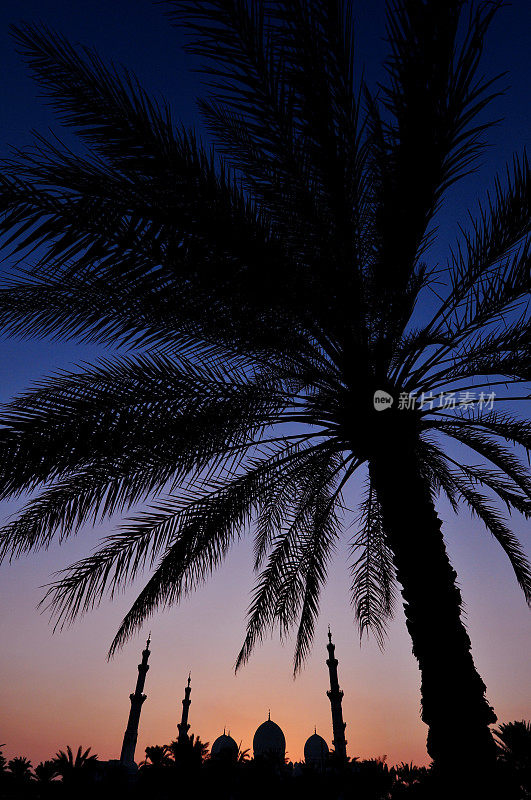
(58, 690)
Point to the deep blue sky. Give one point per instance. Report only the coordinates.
(137, 35)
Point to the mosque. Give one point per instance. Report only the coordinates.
(269, 742)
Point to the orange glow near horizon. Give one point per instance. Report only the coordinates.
(59, 690)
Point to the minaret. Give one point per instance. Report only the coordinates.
(127, 757)
(183, 726)
(336, 696)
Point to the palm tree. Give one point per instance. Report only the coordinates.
(20, 769)
(199, 749)
(157, 755)
(278, 292)
(374, 779)
(192, 750)
(243, 755)
(514, 746)
(409, 774)
(46, 771)
(69, 766)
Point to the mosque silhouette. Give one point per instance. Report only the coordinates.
(269, 742)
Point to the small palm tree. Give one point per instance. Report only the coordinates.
(68, 766)
(191, 750)
(46, 771)
(157, 755)
(374, 778)
(514, 749)
(409, 774)
(199, 748)
(20, 769)
(243, 755)
(514, 745)
(280, 295)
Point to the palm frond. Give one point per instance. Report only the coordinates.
(201, 522)
(252, 115)
(373, 575)
(324, 533)
(106, 106)
(501, 224)
(288, 489)
(291, 563)
(433, 90)
(493, 521)
(152, 205)
(62, 509)
(190, 561)
(118, 243)
(94, 418)
(460, 485)
(426, 137)
(290, 127)
(490, 449)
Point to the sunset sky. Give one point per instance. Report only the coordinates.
(59, 689)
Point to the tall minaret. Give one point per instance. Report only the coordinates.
(127, 757)
(336, 696)
(183, 726)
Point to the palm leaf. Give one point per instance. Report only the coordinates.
(372, 571)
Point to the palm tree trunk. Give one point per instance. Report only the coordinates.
(454, 705)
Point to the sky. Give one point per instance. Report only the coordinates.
(59, 689)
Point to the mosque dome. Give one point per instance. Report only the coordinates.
(315, 750)
(224, 747)
(269, 740)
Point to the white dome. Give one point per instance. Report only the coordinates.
(315, 749)
(224, 747)
(269, 740)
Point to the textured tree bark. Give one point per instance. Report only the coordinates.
(454, 705)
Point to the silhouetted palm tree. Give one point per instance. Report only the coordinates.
(271, 293)
(514, 740)
(243, 755)
(191, 750)
(374, 778)
(199, 748)
(20, 769)
(514, 745)
(157, 755)
(69, 766)
(46, 771)
(174, 747)
(409, 774)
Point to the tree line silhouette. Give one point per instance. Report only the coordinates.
(188, 766)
